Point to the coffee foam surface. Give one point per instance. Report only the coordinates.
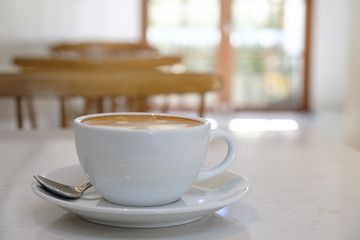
(142, 122)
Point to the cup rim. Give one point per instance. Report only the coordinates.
(77, 121)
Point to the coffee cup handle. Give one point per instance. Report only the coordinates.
(230, 156)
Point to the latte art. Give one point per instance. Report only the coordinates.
(142, 122)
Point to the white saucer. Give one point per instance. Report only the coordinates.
(204, 197)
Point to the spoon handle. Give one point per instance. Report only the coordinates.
(71, 192)
(83, 187)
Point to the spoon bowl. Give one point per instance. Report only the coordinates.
(62, 190)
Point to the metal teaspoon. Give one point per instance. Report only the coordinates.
(60, 189)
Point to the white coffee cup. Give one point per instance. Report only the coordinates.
(146, 159)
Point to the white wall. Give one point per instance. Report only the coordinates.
(28, 26)
(352, 100)
(54, 20)
(330, 54)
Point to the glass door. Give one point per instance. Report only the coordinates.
(268, 40)
(259, 46)
(178, 27)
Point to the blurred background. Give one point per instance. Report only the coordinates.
(278, 58)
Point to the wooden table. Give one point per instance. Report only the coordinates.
(100, 63)
(304, 186)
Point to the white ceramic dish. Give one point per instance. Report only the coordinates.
(204, 197)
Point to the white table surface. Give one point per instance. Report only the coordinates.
(304, 187)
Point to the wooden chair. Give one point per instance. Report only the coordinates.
(34, 64)
(130, 83)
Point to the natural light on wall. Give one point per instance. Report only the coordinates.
(262, 125)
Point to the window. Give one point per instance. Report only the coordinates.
(259, 46)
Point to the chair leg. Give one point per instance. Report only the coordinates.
(202, 105)
(165, 107)
(133, 104)
(19, 112)
(143, 104)
(31, 111)
(113, 104)
(100, 104)
(63, 112)
(88, 105)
